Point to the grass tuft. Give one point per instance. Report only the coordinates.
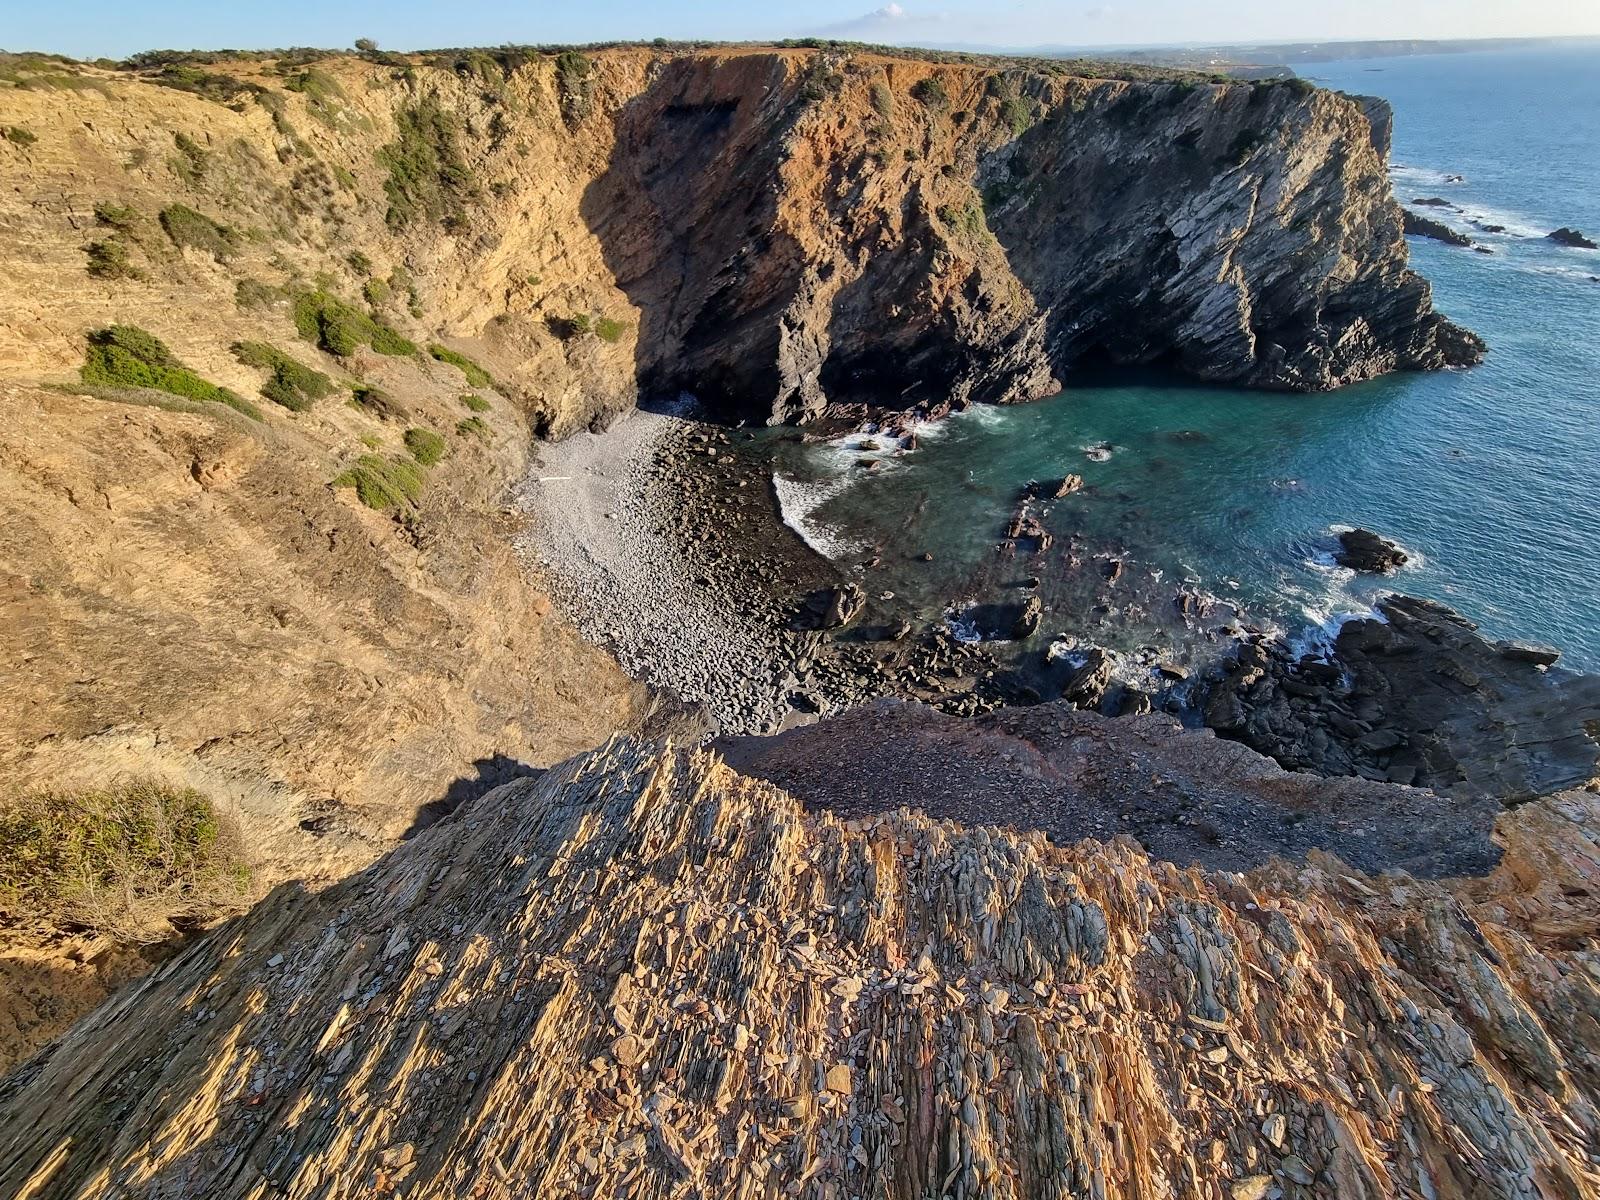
(109, 259)
(385, 484)
(472, 427)
(475, 403)
(426, 446)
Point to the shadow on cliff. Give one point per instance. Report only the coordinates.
(487, 774)
(687, 236)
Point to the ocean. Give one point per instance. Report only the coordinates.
(1489, 477)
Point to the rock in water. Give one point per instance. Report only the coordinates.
(1363, 550)
(834, 607)
(1027, 622)
(1421, 226)
(1086, 686)
(1571, 237)
(644, 975)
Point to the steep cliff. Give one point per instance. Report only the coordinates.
(775, 230)
(647, 976)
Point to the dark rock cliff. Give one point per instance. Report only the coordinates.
(804, 233)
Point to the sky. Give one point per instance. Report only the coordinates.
(115, 28)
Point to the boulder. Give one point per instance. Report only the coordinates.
(1086, 686)
(1363, 550)
(1027, 622)
(833, 608)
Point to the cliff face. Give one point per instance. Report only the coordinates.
(645, 975)
(977, 243)
(778, 230)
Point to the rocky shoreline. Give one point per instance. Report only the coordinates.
(662, 540)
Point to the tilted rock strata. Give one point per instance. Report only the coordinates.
(1417, 697)
(644, 975)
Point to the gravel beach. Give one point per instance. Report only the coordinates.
(603, 509)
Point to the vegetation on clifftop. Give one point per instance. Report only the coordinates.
(340, 328)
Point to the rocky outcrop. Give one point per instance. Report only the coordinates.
(1363, 550)
(1417, 697)
(1571, 237)
(645, 975)
(1420, 226)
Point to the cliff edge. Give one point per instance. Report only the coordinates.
(647, 975)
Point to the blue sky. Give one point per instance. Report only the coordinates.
(92, 28)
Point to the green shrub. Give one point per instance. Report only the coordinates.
(930, 92)
(475, 403)
(426, 446)
(291, 383)
(325, 99)
(966, 221)
(428, 177)
(109, 259)
(127, 356)
(186, 227)
(376, 293)
(359, 262)
(112, 860)
(372, 399)
(18, 136)
(882, 99)
(386, 484)
(567, 328)
(340, 328)
(121, 217)
(256, 294)
(345, 176)
(608, 330)
(472, 427)
(574, 85)
(190, 165)
(476, 375)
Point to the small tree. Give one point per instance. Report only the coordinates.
(366, 45)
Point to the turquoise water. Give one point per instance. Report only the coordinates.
(1490, 477)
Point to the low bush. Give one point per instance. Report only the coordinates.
(472, 427)
(378, 402)
(111, 860)
(121, 217)
(475, 403)
(608, 330)
(426, 446)
(127, 356)
(376, 293)
(476, 375)
(966, 221)
(255, 294)
(930, 92)
(574, 85)
(385, 484)
(428, 176)
(109, 259)
(340, 328)
(18, 136)
(188, 228)
(291, 383)
(192, 160)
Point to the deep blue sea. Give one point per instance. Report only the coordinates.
(1490, 477)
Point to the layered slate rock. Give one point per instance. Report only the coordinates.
(1417, 697)
(646, 976)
